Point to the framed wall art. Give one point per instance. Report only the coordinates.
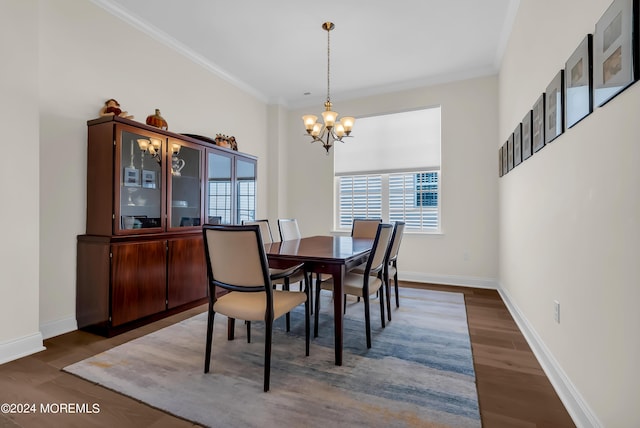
(131, 177)
(554, 108)
(537, 124)
(613, 68)
(505, 161)
(500, 172)
(526, 136)
(148, 179)
(578, 83)
(510, 152)
(517, 146)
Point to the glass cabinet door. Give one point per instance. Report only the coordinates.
(219, 190)
(185, 176)
(246, 190)
(140, 196)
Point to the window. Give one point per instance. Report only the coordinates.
(390, 169)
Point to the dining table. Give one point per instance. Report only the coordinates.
(334, 255)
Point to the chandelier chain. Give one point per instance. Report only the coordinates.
(328, 65)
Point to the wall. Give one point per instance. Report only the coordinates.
(570, 224)
(75, 56)
(467, 250)
(19, 329)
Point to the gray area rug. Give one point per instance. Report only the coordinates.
(418, 373)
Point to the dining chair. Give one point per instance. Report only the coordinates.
(366, 283)
(289, 230)
(391, 264)
(279, 276)
(365, 227)
(237, 262)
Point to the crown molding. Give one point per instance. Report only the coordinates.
(162, 37)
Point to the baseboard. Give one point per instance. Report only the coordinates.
(464, 281)
(21, 347)
(58, 327)
(580, 412)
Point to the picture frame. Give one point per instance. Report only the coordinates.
(505, 162)
(554, 108)
(149, 179)
(500, 172)
(517, 146)
(578, 83)
(510, 152)
(131, 177)
(537, 124)
(613, 51)
(526, 126)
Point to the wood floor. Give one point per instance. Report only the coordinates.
(513, 390)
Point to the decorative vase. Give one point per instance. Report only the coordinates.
(157, 120)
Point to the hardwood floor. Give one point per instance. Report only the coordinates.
(513, 391)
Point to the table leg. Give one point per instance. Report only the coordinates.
(338, 299)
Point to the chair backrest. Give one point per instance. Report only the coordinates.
(365, 227)
(265, 230)
(236, 260)
(378, 253)
(288, 229)
(396, 238)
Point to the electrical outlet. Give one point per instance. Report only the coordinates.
(556, 311)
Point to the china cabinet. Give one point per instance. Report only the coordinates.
(148, 193)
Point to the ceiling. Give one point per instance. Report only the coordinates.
(277, 49)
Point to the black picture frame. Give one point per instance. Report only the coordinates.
(526, 126)
(500, 171)
(578, 83)
(505, 156)
(510, 152)
(537, 124)
(517, 146)
(613, 51)
(554, 108)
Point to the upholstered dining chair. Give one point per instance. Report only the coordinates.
(365, 227)
(391, 264)
(250, 293)
(366, 283)
(289, 229)
(279, 276)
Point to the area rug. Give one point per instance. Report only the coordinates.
(418, 373)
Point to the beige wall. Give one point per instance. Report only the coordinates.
(570, 222)
(70, 56)
(19, 328)
(466, 251)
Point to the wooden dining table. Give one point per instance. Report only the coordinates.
(332, 255)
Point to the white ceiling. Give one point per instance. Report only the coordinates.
(277, 49)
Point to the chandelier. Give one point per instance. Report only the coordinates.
(332, 130)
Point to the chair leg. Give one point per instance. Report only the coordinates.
(207, 353)
(395, 280)
(288, 315)
(317, 312)
(267, 352)
(231, 328)
(367, 320)
(309, 277)
(381, 290)
(307, 307)
(388, 293)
